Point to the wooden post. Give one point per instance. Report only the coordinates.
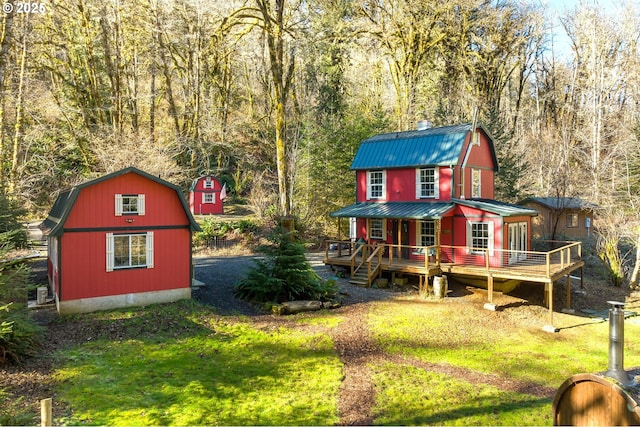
(45, 412)
(339, 238)
(490, 288)
(569, 291)
(550, 303)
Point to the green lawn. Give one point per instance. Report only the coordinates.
(180, 364)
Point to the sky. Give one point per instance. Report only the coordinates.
(558, 8)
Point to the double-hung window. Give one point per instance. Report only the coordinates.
(376, 228)
(572, 220)
(480, 237)
(208, 183)
(130, 204)
(208, 198)
(427, 183)
(133, 250)
(427, 233)
(375, 184)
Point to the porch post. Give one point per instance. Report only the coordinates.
(438, 240)
(339, 238)
(569, 291)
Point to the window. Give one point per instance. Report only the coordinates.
(129, 250)
(480, 237)
(130, 204)
(476, 184)
(427, 233)
(426, 183)
(208, 198)
(376, 228)
(375, 185)
(572, 220)
(208, 183)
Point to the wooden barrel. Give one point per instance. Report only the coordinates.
(597, 400)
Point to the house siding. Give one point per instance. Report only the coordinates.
(95, 204)
(89, 278)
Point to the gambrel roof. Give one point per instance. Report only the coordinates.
(441, 146)
(54, 223)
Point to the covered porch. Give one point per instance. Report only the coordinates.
(365, 262)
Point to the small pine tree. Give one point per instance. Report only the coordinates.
(19, 333)
(285, 274)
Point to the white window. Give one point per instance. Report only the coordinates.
(376, 186)
(427, 235)
(208, 198)
(129, 251)
(376, 228)
(208, 183)
(480, 237)
(476, 184)
(427, 183)
(130, 204)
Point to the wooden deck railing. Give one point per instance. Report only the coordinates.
(525, 262)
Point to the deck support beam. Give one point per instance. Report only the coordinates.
(549, 328)
(490, 305)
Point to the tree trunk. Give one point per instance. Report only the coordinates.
(633, 281)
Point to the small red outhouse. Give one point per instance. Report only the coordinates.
(206, 196)
(120, 240)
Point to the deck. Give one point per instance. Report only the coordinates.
(370, 261)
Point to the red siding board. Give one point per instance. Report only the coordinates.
(95, 205)
(85, 275)
(82, 271)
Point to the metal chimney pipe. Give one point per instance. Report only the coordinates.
(616, 343)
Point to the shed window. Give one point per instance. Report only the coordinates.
(129, 251)
(427, 183)
(130, 204)
(208, 198)
(375, 185)
(572, 220)
(208, 183)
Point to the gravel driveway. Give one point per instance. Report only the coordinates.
(219, 274)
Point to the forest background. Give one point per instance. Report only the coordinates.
(274, 96)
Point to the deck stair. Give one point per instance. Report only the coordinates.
(361, 278)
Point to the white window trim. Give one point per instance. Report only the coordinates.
(384, 185)
(213, 198)
(384, 228)
(110, 252)
(119, 204)
(491, 237)
(436, 183)
(207, 184)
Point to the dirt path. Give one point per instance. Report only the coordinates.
(357, 350)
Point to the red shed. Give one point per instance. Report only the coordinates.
(206, 196)
(120, 240)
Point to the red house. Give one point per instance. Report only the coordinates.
(435, 187)
(120, 240)
(206, 196)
